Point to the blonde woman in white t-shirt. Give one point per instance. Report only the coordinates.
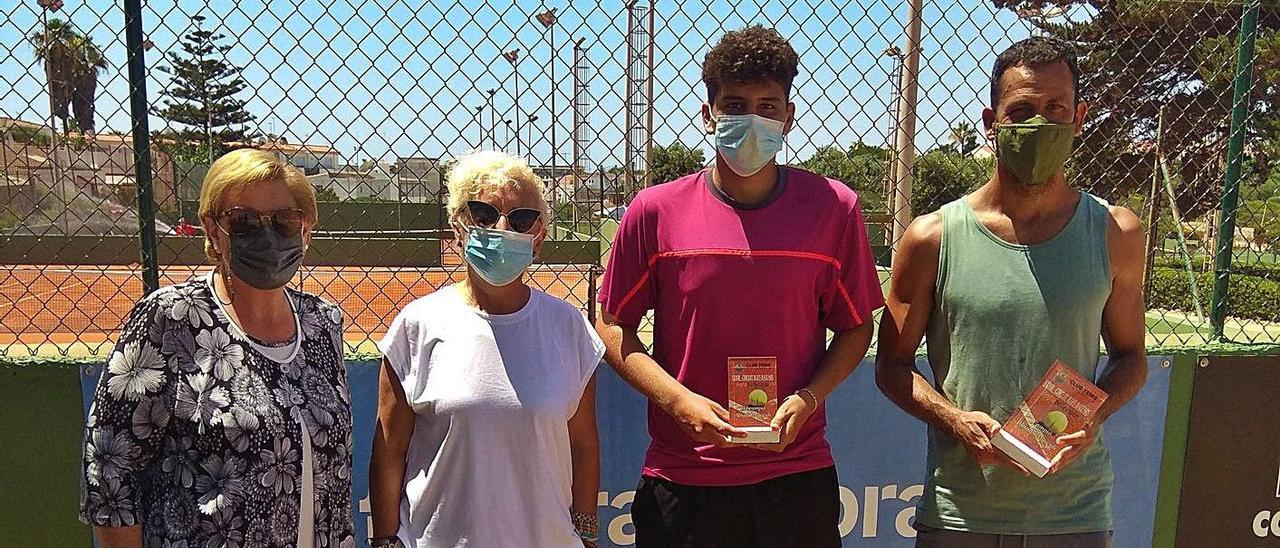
(486, 432)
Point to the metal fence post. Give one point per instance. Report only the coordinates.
(1235, 157)
(141, 144)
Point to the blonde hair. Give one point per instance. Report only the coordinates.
(247, 166)
(476, 172)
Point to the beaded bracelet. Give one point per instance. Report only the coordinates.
(587, 526)
(811, 400)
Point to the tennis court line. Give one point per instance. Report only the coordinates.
(42, 295)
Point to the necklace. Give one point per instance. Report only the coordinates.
(226, 284)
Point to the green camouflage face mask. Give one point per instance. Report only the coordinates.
(1034, 150)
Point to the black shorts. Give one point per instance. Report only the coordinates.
(801, 510)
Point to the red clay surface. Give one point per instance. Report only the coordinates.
(62, 304)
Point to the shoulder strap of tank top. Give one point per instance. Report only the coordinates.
(955, 215)
(1098, 215)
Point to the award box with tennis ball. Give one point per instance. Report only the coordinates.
(1063, 402)
(753, 398)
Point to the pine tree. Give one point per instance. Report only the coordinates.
(1141, 57)
(202, 92)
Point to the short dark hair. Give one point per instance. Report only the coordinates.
(1035, 52)
(753, 54)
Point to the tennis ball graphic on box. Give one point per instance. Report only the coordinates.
(1056, 421)
(753, 398)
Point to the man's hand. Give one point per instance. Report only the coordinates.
(791, 416)
(703, 420)
(974, 430)
(1076, 444)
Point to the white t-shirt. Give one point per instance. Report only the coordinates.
(489, 462)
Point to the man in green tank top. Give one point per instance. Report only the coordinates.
(1024, 271)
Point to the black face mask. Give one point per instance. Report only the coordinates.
(265, 260)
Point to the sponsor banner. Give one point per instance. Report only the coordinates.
(879, 452)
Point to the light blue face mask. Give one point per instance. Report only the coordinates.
(498, 256)
(747, 141)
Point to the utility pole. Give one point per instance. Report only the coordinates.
(906, 130)
(648, 126)
(579, 102)
(513, 57)
(895, 78)
(493, 119)
(638, 132)
(548, 20)
(532, 118)
(579, 128)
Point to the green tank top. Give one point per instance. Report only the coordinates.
(1002, 314)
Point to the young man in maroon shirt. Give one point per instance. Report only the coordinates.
(745, 259)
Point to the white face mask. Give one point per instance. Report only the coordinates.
(747, 142)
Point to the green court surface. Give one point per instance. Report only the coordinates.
(1177, 328)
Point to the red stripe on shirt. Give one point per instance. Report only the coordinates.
(749, 253)
(848, 300)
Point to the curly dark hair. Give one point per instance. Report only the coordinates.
(1035, 52)
(753, 54)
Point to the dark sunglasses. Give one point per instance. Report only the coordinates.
(521, 219)
(244, 221)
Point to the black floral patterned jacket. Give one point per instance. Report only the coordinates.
(197, 436)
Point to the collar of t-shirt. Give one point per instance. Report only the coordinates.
(283, 353)
(530, 308)
(727, 199)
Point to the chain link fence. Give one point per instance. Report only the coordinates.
(372, 99)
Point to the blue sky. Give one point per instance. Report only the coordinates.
(387, 78)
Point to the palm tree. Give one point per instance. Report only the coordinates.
(964, 138)
(90, 63)
(71, 64)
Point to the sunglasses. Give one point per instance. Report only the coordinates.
(521, 219)
(244, 221)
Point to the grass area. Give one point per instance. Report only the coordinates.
(602, 230)
(583, 230)
(1176, 328)
(1200, 256)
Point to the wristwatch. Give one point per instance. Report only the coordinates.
(386, 542)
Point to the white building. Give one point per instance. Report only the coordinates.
(418, 179)
(597, 184)
(22, 131)
(371, 180)
(545, 171)
(311, 159)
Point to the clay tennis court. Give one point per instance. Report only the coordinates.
(79, 308)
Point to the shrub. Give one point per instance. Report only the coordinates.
(943, 176)
(1266, 271)
(1248, 297)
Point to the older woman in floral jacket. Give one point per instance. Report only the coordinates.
(223, 417)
